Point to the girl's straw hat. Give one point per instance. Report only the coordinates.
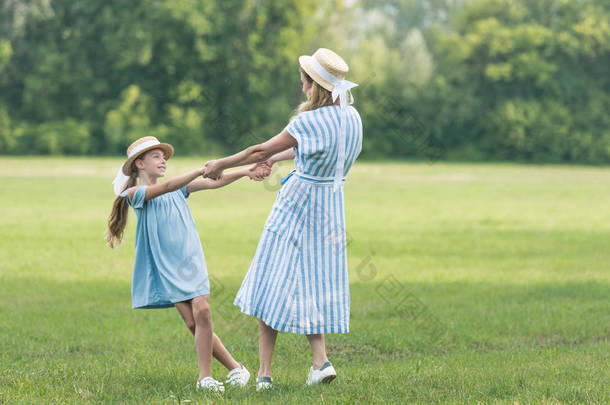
(330, 61)
(143, 145)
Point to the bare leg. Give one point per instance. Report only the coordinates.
(222, 354)
(186, 312)
(266, 343)
(203, 334)
(318, 348)
(218, 350)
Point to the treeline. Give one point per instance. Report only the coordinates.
(524, 80)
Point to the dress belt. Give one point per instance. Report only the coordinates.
(309, 178)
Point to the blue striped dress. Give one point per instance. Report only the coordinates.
(297, 281)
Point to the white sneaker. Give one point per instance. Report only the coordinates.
(264, 383)
(211, 385)
(238, 376)
(325, 374)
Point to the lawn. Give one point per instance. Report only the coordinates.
(470, 283)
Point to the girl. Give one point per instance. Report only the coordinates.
(298, 279)
(170, 268)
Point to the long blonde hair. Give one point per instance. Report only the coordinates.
(317, 96)
(117, 220)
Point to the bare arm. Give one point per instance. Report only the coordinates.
(265, 166)
(227, 178)
(172, 184)
(252, 154)
(288, 154)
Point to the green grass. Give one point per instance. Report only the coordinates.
(469, 284)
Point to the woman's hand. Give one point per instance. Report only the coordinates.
(259, 171)
(264, 165)
(212, 169)
(256, 176)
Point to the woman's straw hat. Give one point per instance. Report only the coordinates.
(143, 145)
(330, 61)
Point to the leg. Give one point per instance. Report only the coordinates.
(218, 350)
(203, 334)
(266, 344)
(318, 348)
(186, 312)
(222, 354)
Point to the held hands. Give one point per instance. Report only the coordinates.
(212, 170)
(260, 170)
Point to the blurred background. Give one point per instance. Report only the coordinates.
(501, 80)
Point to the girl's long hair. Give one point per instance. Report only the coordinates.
(317, 96)
(117, 220)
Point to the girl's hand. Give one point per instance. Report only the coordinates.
(255, 177)
(259, 173)
(212, 170)
(267, 163)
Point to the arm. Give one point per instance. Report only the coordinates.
(288, 154)
(228, 178)
(172, 184)
(264, 167)
(252, 154)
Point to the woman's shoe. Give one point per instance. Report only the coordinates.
(264, 383)
(324, 375)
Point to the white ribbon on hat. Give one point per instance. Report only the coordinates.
(341, 89)
(120, 180)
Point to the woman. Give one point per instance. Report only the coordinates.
(298, 278)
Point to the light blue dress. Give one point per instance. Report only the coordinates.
(170, 266)
(297, 281)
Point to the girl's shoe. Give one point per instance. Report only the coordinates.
(211, 385)
(325, 374)
(264, 383)
(238, 376)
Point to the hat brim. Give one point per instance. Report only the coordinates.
(167, 149)
(304, 61)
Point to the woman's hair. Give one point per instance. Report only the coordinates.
(317, 96)
(117, 220)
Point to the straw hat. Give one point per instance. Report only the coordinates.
(143, 145)
(330, 61)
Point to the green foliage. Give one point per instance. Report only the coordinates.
(533, 69)
(5, 53)
(203, 75)
(530, 130)
(52, 138)
(7, 140)
(475, 79)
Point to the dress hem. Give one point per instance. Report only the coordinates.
(283, 328)
(171, 303)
